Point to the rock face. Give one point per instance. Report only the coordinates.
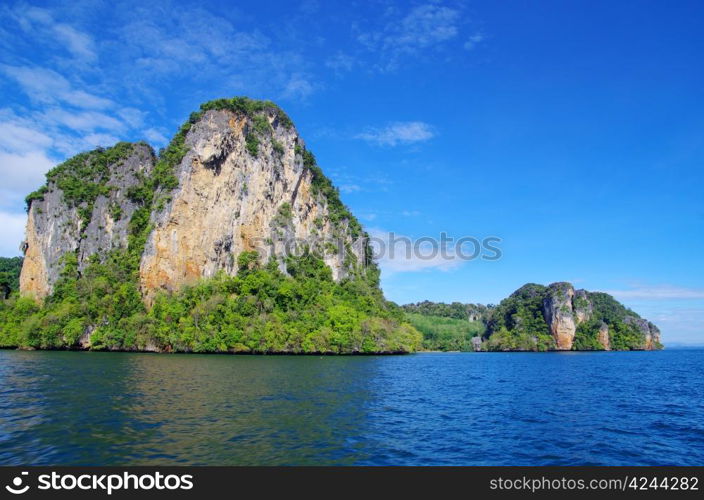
(229, 200)
(582, 306)
(56, 227)
(243, 181)
(565, 309)
(603, 337)
(558, 317)
(650, 332)
(559, 314)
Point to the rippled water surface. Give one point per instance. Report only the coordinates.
(631, 408)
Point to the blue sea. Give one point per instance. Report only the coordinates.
(605, 408)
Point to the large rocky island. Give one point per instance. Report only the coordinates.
(190, 250)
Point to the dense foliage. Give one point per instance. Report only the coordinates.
(441, 333)
(455, 310)
(248, 107)
(261, 310)
(10, 268)
(517, 323)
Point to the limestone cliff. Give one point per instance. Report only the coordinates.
(558, 317)
(233, 196)
(237, 177)
(565, 310)
(82, 210)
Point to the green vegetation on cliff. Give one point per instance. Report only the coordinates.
(10, 268)
(261, 310)
(523, 322)
(83, 178)
(518, 322)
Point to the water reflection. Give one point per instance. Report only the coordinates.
(116, 408)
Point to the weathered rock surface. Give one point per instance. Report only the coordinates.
(603, 336)
(559, 314)
(231, 196)
(229, 201)
(650, 332)
(582, 306)
(565, 308)
(55, 228)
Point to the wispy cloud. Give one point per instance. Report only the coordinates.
(397, 253)
(41, 23)
(21, 139)
(424, 27)
(410, 213)
(46, 86)
(473, 41)
(84, 121)
(79, 44)
(350, 180)
(658, 292)
(350, 188)
(155, 136)
(12, 231)
(341, 62)
(299, 86)
(368, 216)
(160, 42)
(22, 173)
(398, 133)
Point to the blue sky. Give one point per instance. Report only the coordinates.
(574, 131)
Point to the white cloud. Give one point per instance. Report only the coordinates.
(22, 173)
(340, 62)
(132, 116)
(11, 233)
(155, 137)
(398, 133)
(473, 41)
(424, 27)
(102, 140)
(79, 44)
(48, 86)
(84, 121)
(350, 188)
(658, 292)
(401, 254)
(298, 87)
(15, 137)
(38, 21)
(210, 50)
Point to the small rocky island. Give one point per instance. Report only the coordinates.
(536, 318)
